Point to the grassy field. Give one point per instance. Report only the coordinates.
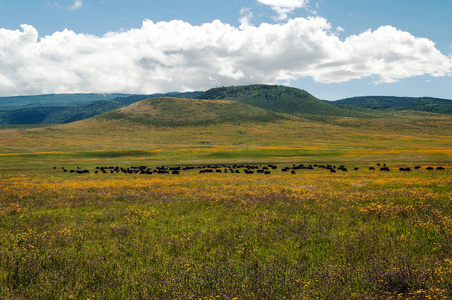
(359, 234)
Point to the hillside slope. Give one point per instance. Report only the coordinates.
(167, 111)
(280, 99)
(426, 104)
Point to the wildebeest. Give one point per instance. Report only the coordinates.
(343, 168)
(229, 168)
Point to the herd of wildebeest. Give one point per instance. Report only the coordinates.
(233, 168)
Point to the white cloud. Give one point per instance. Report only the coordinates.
(77, 5)
(284, 7)
(245, 16)
(6, 84)
(177, 56)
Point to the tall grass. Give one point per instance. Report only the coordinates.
(349, 235)
(358, 235)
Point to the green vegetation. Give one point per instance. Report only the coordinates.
(280, 99)
(426, 104)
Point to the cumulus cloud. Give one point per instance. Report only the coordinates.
(177, 56)
(77, 5)
(283, 7)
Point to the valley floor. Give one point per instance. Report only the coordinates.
(360, 234)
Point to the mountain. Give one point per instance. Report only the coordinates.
(426, 104)
(167, 111)
(66, 108)
(279, 99)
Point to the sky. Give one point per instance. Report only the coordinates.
(332, 49)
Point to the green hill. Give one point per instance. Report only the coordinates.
(426, 104)
(280, 99)
(167, 111)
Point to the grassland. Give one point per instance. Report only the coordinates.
(348, 235)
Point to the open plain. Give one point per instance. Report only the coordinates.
(116, 232)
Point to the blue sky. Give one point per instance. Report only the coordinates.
(333, 49)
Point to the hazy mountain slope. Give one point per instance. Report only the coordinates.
(59, 100)
(68, 111)
(100, 107)
(35, 115)
(166, 111)
(426, 104)
(276, 98)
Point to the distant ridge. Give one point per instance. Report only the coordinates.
(276, 98)
(66, 108)
(426, 104)
(167, 111)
